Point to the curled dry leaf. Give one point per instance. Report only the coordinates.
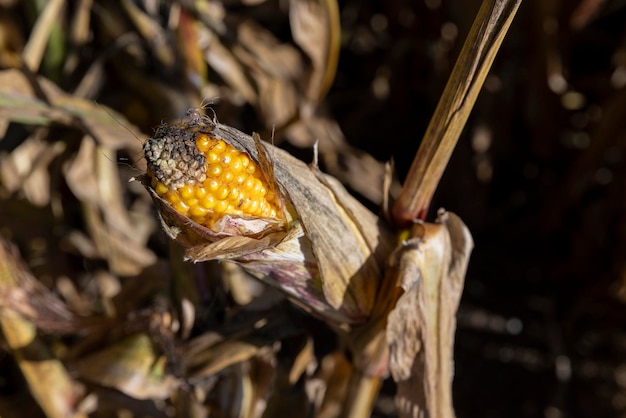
(93, 177)
(23, 294)
(275, 68)
(27, 168)
(20, 103)
(301, 232)
(131, 366)
(224, 63)
(431, 268)
(22, 298)
(316, 29)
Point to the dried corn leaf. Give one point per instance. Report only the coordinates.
(235, 393)
(131, 366)
(261, 50)
(276, 67)
(41, 39)
(187, 34)
(11, 41)
(20, 102)
(49, 382)
(332, 381)
(93, 177)
(152, 32)
(420, 331)
(289, 397)
(26, 168)
(316, 29)
(22, 293)
(125, 257)
(222, 61)
(219, 357)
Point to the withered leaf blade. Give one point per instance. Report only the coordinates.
(22, 293)
(19, 103)
(131, 366)
(48, 380)
(316, 29)
(219, 357)
(420, 330)
(114, 235)
(275, 67)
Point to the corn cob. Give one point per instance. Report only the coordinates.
(205, 178)
(306, 236)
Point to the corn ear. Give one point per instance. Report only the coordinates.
(316, 243)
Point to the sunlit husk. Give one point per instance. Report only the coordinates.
(329, 251)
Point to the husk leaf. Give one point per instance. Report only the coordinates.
(431, 269)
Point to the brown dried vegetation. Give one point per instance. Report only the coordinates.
(100, 316)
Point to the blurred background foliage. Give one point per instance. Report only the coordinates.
(539, 176)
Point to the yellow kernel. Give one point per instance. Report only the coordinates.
(214, 170)
(234, 194)
(234, 185)
(248, 184)
(180, 207)
(236, 165)
(257, 187)
(160, 188)
(254, 205)
(227, 176)
(219, 147)
(212, 157)
(212, 185)
(186, 191)
(172, 197)
(191, 202)
(221, 206)
(244, 204)
(222, 193)
(203, 142)
(208, 201)
(200, 192)
(198, 211)
(234, 211)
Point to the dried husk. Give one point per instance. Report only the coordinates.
(328, 253)
(430, 268)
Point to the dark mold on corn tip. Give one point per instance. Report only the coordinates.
(173, 157)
